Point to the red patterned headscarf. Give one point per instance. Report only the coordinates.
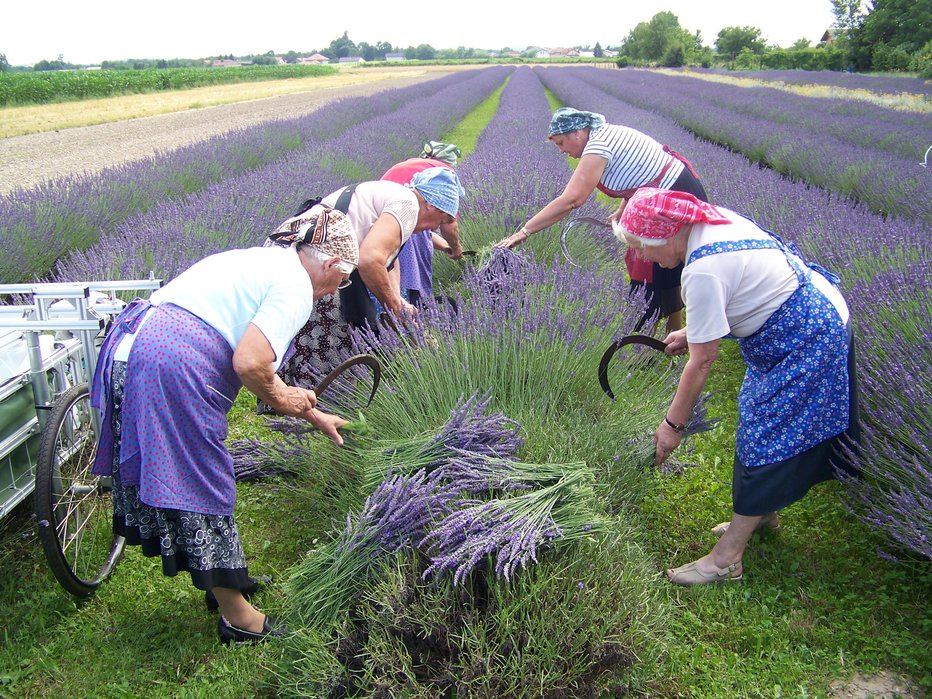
(658, 214)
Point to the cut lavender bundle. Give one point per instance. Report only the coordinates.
(397, 514)
(513, 529)
(469, 433)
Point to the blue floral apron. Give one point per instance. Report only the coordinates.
(795, 392)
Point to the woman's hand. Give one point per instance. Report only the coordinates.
(616, 217)
(326, 423)
(514, 240)
(666, 440)
(676, 343)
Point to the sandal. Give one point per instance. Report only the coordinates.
(240, 637)
(690, 574)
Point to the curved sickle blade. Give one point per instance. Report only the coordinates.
(357, 360)
(645, 340)
(572, 223)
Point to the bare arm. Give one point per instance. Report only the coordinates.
(578, 190)
(252, 362)
(380, 243)
(451, 234)
(695, 374)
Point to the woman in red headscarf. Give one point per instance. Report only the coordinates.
(798, 402)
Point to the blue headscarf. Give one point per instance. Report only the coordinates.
(567, 119)
(440, 187)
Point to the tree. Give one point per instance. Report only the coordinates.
(425, 52)
(801, 44)
(291, 57)
(341, 48)
(902, 26)
(848, 18)
(597, 52)
(732, 40)
(4, 65)
(650, 41)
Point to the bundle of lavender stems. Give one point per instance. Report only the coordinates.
(461, 498)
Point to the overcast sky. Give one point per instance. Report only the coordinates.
(95, 30)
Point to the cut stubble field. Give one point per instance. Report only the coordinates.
(45, 142)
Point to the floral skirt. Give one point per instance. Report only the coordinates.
(207, 546)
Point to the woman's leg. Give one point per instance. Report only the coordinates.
(237, 611)
(723, 562)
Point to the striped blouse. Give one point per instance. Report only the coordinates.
(634, 159)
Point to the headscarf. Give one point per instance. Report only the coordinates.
(440, 187)
(444, 152)
(324, 229)
(658, 214)
(567, 119)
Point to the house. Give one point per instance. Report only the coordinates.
(826, 38)
(587, 54)
(539, 52)
(564, 53)
(352, 59)
(395, 57)
(228, 63)
(610, 53)
(315, 59)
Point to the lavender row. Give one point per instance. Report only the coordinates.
(872, 155)
(239, 211)
(880, 84)
(883, 264)
(40, 226)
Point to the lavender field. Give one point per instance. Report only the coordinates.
(555, 593)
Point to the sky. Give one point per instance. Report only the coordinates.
(96, 30)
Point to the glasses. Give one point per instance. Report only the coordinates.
(344, 284)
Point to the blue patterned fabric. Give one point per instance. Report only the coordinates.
(567, 120)
(795, 391)
(440, 187)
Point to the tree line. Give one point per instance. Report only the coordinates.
(886, 35)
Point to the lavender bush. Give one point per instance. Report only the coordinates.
(869, 153)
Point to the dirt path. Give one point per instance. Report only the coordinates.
(27, 161)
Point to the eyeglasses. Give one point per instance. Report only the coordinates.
(344, 284)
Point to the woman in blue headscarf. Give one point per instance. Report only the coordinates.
(383, 215)
(616, 160)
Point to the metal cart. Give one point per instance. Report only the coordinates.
(49, 337)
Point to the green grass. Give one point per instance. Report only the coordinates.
(45, 87)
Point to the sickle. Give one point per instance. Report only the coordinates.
(573, 222)
(357, 360)
(470, 253)
(645, 340)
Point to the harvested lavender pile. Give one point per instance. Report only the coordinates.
(459, 497)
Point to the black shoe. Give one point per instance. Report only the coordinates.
(254, 586)
(240, 637)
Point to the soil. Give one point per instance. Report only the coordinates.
(883, 685)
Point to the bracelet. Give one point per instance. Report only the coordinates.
(673, 426)
(527, 233)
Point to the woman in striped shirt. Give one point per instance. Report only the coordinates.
(617, 160)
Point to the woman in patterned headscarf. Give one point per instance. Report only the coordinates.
(383, 216)
(798, 403)
(167, 374)
(616, 160)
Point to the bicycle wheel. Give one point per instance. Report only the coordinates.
(73, 506)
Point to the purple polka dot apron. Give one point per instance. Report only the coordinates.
(180, 384)
(795, 391)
